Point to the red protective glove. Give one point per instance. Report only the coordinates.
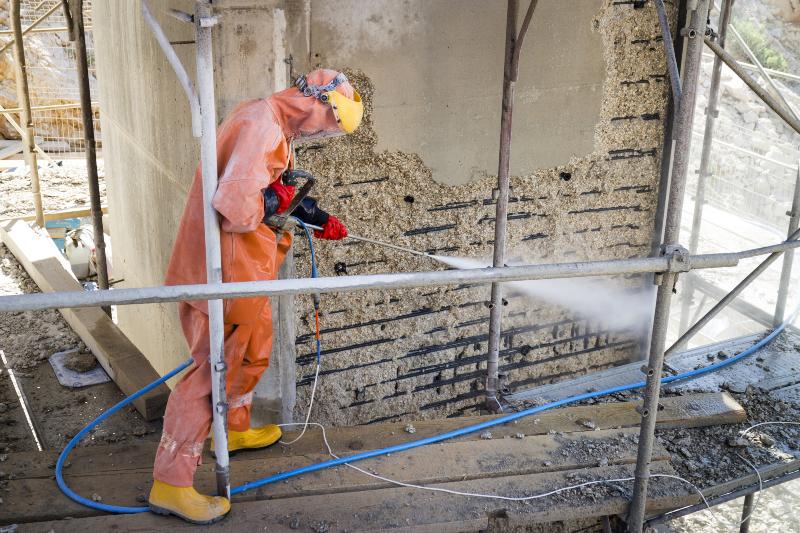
(332, 230)
(285, 193)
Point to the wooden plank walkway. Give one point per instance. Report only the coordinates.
(555, 449)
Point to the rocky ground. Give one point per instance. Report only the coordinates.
(27, 340)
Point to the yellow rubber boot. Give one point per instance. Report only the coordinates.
(187, 503)
(253, 438)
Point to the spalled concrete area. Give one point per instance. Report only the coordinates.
(422, 352)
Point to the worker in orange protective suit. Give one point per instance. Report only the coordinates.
(254, 147)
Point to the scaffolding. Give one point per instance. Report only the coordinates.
(52, 67)
(671, 260)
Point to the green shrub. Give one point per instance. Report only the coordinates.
(757, 41)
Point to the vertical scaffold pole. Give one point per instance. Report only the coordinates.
(680, 162)
(788, 255)
(712, 112)
(23, 95)
(204, 21)
(87, 115)
(513, 45)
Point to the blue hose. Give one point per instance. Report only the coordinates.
(82, 433)
(314, 274)
(391, 449)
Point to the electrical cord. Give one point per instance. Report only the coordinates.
(494, 496)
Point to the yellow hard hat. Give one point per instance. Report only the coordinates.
(348, 112)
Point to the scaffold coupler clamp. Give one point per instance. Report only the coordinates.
(677, 261)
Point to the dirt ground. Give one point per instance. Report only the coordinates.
(28, 339)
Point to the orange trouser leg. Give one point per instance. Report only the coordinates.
(252, 366)
(188, 416)
(256, 356)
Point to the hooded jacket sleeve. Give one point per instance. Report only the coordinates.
(250, 156)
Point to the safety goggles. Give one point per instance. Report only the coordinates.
(348, 113)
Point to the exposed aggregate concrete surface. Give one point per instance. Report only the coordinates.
(421, 353)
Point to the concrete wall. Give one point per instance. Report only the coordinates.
(589, 124)
(588, 132)
(436, 68)
(150, 155)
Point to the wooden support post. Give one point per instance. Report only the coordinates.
(25, 104)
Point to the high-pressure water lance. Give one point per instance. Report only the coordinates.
(381, 243)
(291, 177)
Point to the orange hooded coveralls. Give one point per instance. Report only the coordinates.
(252, 152)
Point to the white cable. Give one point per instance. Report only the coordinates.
(694, 487)
(308, 413)
(496, 496)
(758, 494)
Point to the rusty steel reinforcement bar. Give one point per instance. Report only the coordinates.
(87, 116)
(754, 86)
(513, 44)
(335, 284)
(712, 112)
(788, 257)
(742, 285)
(682, 139)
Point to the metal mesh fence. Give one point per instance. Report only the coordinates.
(52, 79)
